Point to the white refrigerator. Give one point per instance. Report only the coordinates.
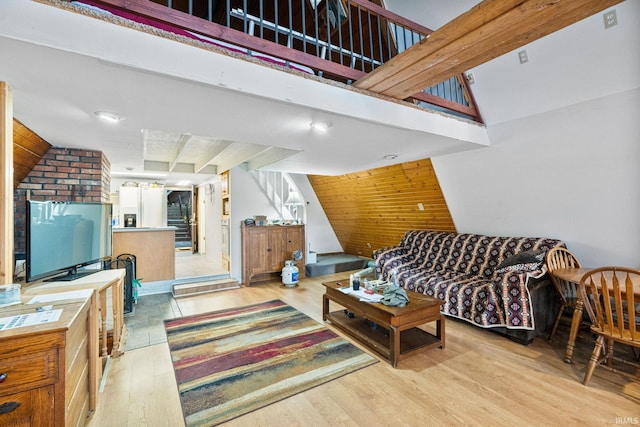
(143, 206)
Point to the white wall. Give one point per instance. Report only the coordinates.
(320, 235)
(248, 200)
(433, 14)
(572, 174)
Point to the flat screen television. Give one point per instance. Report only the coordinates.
(63, 237)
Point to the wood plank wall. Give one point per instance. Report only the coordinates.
(28, 149)
(6, 189)
(373, 208)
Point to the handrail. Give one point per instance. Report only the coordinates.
(359, 30)
(239, 13)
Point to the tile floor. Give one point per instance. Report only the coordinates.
(145, 325)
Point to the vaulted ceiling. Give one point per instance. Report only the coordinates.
(186, 108)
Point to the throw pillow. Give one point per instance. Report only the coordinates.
(522, 261)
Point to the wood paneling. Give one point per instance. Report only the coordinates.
(6, 191)
(28, 149)
(373, 209)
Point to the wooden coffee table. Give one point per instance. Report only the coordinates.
(390, 331)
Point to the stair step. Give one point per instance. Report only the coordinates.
(188, 289)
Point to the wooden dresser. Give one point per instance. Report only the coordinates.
(47, 369)
(266, 248)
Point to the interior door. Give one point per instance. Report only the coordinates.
(201, 218)
(193, 221)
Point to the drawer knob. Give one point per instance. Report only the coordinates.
(7, 407)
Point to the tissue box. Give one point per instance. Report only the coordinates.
(9, 294)
(260, 219)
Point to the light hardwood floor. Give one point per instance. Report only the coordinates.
(480, 378)
(197, 265)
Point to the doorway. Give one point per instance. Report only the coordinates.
(187, 213)
(179, 209)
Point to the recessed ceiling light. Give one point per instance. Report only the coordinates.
(391, 157)
(321, 126)
(109, 117)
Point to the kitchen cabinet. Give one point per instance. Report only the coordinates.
(266, 248)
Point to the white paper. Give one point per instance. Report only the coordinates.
(362, 295)
(59, 296)
(30, 319)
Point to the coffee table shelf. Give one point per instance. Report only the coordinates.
(396, 334)
(377, 338)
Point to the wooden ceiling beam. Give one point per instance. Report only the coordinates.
(483, 45)
(474, 18)
(483, 33)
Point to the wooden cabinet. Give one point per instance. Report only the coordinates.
(265, 249)
(47, 369)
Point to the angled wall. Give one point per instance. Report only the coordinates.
(373, 208)
(570, 174)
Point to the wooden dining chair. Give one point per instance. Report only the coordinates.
(610, 295)
(568, 291)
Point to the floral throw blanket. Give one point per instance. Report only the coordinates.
(482, 279)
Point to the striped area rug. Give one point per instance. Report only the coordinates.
(233, 361)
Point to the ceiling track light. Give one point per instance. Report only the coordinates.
(391, 157)
(109, 117)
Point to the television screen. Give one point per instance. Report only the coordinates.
(65, 236)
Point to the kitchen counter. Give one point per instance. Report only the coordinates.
(138, 229)
(154, 249)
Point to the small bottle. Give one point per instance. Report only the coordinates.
(394, 277)
(356, 282)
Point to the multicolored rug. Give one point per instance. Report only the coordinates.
(234, 361)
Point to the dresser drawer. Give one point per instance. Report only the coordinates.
(28, 371)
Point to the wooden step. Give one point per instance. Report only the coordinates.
(188, 289)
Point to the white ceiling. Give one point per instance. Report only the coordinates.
(198, 110)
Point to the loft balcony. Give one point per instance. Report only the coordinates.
(340, 40)
(199, 98)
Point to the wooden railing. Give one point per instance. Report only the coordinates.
(341, 40)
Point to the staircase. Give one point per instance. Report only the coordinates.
(281, 190)
(175, 219)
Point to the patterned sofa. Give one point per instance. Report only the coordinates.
(492, 282)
